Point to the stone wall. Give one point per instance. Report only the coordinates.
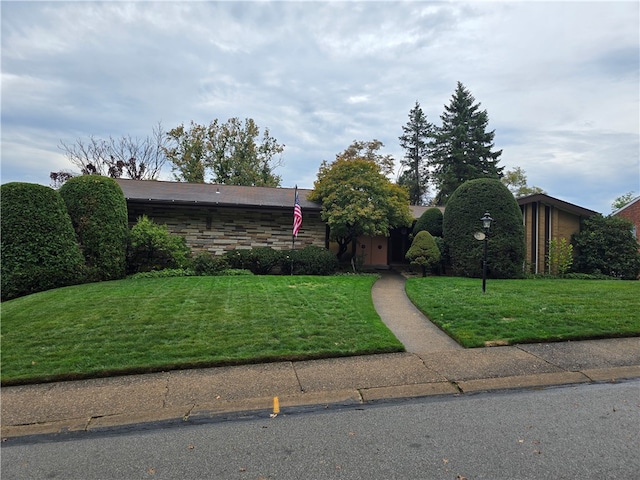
(218, 230)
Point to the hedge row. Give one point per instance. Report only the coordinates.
(310, 260)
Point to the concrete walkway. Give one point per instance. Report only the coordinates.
(408, 324)
(433, 365)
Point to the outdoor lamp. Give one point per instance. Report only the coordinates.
(486, 224)
(486, 221)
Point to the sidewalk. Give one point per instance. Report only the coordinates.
(433, 365)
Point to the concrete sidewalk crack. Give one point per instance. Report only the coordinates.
(542, 359)
(295, 372)
(166, 391)
(186, 416)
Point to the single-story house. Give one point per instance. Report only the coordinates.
(631, 211)
(547, 218)
(219, 218)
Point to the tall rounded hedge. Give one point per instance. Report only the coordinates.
(430, 221)
(506, 242)
(39, 248)
(98, 211)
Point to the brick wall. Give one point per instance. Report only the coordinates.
(632, 213)
(218, 230)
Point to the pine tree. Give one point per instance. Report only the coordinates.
(461, 148)
(414, 141)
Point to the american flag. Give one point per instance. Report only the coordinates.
(297, 215)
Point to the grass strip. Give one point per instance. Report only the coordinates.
(144, 325)
(526, 311)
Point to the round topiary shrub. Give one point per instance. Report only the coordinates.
(424, 252)
(39, 248)
(506, 243)
(152, 247)
(98, 212)
(430, 221)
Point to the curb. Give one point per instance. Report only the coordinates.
(319, 399)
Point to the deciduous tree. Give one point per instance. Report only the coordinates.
(128, 157)
(232, 153)
(621, 201)
(516, 181)
(358, 199)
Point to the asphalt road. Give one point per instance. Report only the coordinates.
(577, 432)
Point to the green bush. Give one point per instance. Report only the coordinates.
(310, 260)
(506, 243)
(423, 252)
(430, 221)
(98, 212)
(166, 273)
(445, 260)
(239, 259)
(560, 256)
(605, 245)
(264, 260)
(207, 264)
(39, 247)
(153, 247)
(260, 260)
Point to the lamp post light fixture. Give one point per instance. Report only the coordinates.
(486, 225)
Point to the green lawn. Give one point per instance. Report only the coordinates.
(152, 324)
(156, 324)
(521, 311)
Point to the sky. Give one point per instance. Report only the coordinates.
(560, 81)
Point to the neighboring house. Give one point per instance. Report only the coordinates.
(546, 218)
(631, 211)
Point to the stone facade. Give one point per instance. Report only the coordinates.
(218, 230)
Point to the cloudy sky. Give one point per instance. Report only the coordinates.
(560, 80)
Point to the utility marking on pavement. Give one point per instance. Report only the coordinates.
(276, 407)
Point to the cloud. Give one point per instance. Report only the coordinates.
(559, 80)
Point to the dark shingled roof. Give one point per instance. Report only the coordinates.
(555, 202)
(208, 194)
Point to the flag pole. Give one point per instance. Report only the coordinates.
(293, 236)
(297, 223)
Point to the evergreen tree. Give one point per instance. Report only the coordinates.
(461, 148)
(414, 140)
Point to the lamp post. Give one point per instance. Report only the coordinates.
(486, 225)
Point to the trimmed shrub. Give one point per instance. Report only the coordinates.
(239, 259)
(310, 260)
(98, 212)
(445, 261)
(260, 260)
(506, 244)
(430, 221)
(264, 260)
(207, 264)
(605, 245)
(39, 248)
(423, 252)
(153, 247)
